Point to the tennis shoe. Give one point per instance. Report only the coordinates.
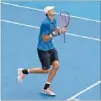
(21, 76)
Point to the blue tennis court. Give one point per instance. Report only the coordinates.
(79, 73)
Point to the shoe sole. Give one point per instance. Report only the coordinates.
(47, 93)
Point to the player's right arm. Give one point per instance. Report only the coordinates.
(46, 35)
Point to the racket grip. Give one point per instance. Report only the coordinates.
(64, 38)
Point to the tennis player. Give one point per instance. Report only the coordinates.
(47, 53)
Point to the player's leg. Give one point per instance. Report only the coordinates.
(45, 61)
(38, 70)
(55, 67)
(23, 72)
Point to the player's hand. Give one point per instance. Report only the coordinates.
(63, 30)
(57, 30)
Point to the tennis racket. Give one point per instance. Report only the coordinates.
(64, 21)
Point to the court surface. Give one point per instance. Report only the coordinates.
(79, 73)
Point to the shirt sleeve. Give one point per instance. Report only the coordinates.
(45, 28)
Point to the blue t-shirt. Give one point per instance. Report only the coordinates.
(47, 27)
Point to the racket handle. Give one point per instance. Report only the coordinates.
(64, 38)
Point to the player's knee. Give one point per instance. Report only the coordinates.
(56, 65)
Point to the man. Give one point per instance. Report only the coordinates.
(46, 51)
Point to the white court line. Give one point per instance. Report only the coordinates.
(83, 91)
(26, 25)
(17, 23)
(42, 11)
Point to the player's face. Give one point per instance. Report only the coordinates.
(51, 12)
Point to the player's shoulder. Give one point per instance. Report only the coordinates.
(45, 22)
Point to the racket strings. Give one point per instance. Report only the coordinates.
(65, 18)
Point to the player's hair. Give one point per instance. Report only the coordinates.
(46, 14)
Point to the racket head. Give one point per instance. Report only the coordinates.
(64, 19)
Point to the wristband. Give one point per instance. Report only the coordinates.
(59, 33)
(51, 35)
(54, 34)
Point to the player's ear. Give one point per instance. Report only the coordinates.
(47, 13)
